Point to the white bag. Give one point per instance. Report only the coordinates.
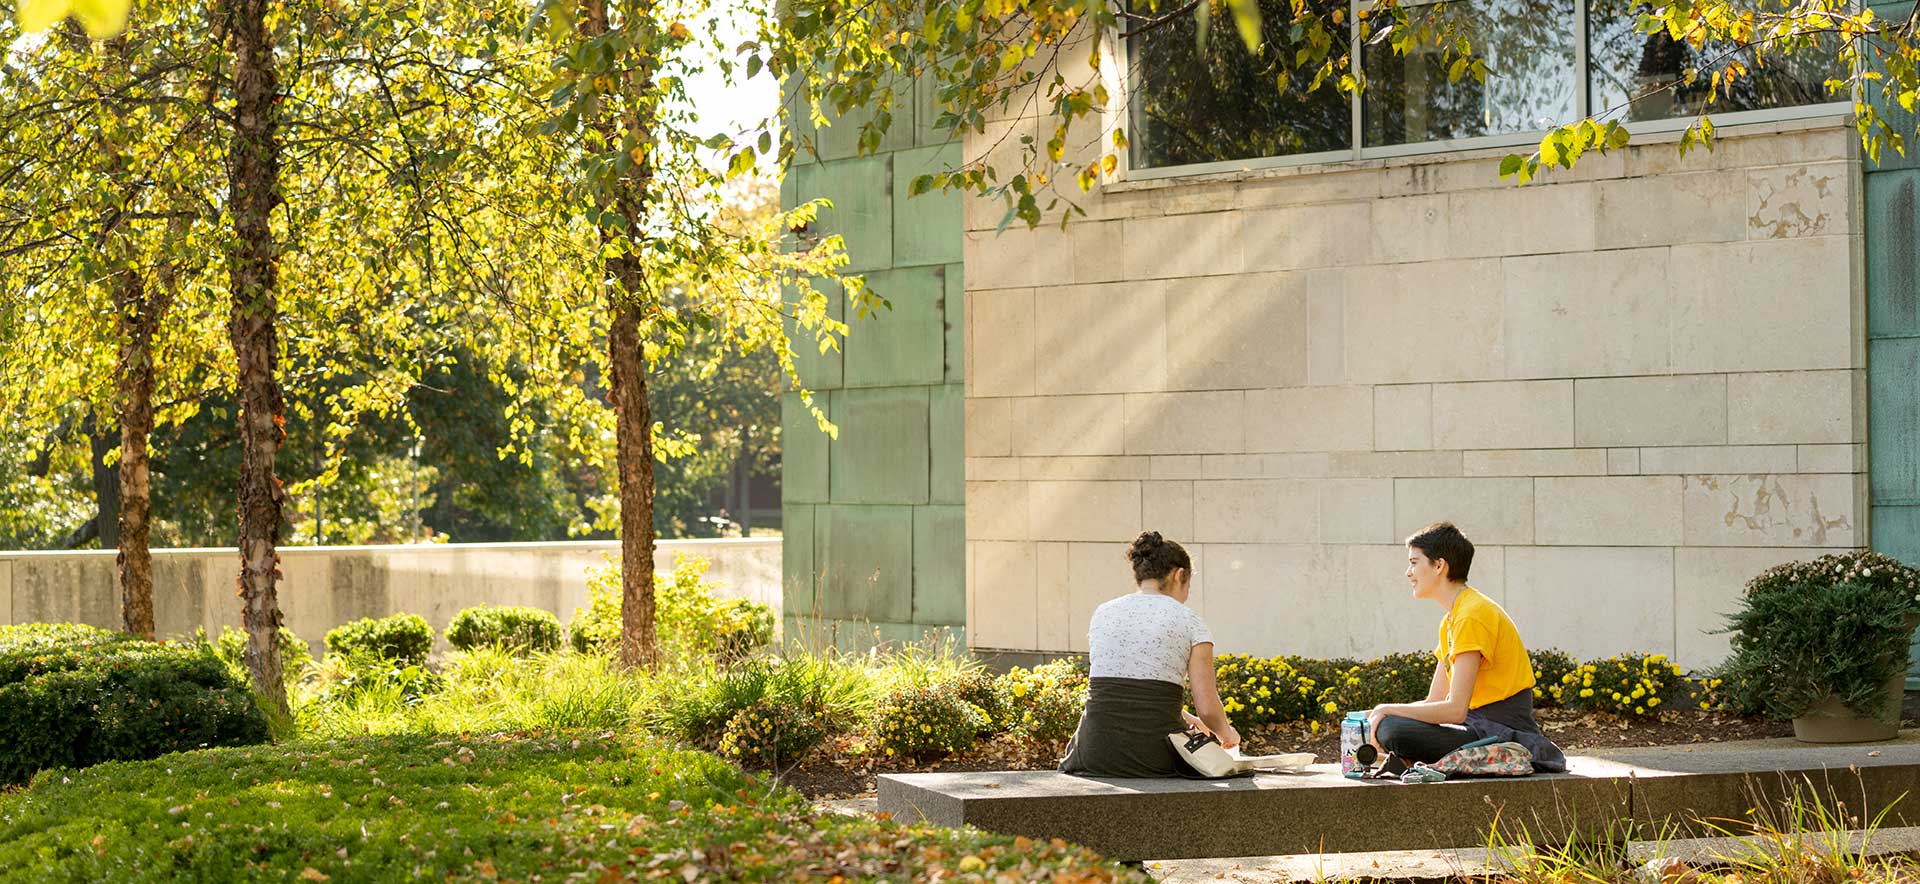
(1204, 754)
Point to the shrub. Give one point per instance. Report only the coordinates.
(769, 734)
(341, 678)
(1043, 704)
(1553, 674)
(833, 690)
(925, 722)
(1836, 626)
(690, 620)
(1631, 685)
(525, 630)
(1394, 678)
(976, 687)
(401, 638)
(1264, 690)
(231, 648)
(518, 807)
(101, 699)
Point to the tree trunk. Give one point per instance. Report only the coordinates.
(633, 420)
(253, 182)
(138, 314)
(106, 484)
(746, 482)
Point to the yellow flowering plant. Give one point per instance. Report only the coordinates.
(770, 734)
(1628, 685)
(1264, 690)
(921, 722)
(1550, 669)
(1043, 704)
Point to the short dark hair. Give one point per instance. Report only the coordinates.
(1441, 541)
(1154, 557)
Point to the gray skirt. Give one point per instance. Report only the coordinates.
(1124, 731)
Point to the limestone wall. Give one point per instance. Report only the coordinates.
(324, 587)
(1633, 386)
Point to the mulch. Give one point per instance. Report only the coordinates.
(841, 770)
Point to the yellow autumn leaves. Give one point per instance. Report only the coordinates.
(101, 18)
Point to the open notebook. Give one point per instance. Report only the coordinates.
(1204, 754)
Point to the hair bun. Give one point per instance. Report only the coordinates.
(1145, 545)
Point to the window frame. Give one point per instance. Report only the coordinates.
(1360, 152)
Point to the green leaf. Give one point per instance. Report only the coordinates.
(1202, 22)
(1617, 135)
(1510, 166)
(1246, 19)
(1458, 70)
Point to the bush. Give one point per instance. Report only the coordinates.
(344, 678)
(978, 688)
(402, 638)
(1043, 704)
(517, 807)
(1836, 626)
(1553, 674)
(919, 723)
(835, 691)
(769, 734)
(690, 621)
(1395, 678)
(76, 697)
(1630, 685)
(525, 630)
(1264, 690)
(231, 648)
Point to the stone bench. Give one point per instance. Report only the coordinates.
(1666, 790)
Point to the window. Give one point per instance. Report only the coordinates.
(1224, 105)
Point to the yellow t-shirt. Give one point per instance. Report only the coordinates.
(1476, 623)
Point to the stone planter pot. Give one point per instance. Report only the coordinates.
(1832, 722)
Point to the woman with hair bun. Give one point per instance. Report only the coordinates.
(1143, 649)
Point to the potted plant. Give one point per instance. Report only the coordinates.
(1824, 643)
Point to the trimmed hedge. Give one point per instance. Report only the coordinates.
(525, 630)
(517, 807)
(402, 638)
(75, 697)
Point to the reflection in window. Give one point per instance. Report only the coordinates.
(1226, 104)
(1528, 49)
(1625, 65)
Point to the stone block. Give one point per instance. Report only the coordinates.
(1801, 200)
(927, 111)
(940, 565)
(1662, 210)
(1176, 466)
(1236, 332)
(882, 455)
(1403, 417)
(1184, 245)
(1379, 615)
(1623, 596)
(999, 259)
(1323, 184)
(1394, 463)
(1395, 313)
(1623, 461)
(989, 427)
(1053, 566)
(861, 193)
(946, 443)
(1607, 511)
(1410, 228)
(1536, 462)
(1096, 572)
(1770, 305)
(799, 576)
(1095, 511)
(71, 589)
(1773, 510)
(1310, 419)
(1256, 511)
(1831, 459)
(1257, 594)
(1000, 355)
(1108, 338)
(1232, 466)
(904, 342)
(926, 228)
(999, 511)
(179, 596)
(1708, 584)
(1718, 459)
(803, 459)
(1804, 147)
(1097, 250)
(1589, 314)
(1052, 426)
(839, 138)
(1893, 252)
(1895, 465)
(1296, 465)
(1326, 335)
(993, 469)
(1492, 511)
(1356, 511)
(1167, 507)
(1811, 407)
(1124, 467)
(1505, 414)
(1005, 599)
(866, 562)
(6, 593)
(1653, 411)
(1295, 238)
(1185, 423)
(819, 369)
(953, 304)
(1555, 219)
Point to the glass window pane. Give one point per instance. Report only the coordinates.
(1226, 104)
(1628, 66)
(1527, 46)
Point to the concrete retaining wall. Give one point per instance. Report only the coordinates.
(324, 587)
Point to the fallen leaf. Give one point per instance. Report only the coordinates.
(312, 874)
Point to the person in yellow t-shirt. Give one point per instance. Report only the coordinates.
(1482, 678)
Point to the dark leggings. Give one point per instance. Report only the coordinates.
(1419, 741)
